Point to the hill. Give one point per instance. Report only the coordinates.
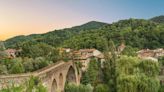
(158, 19)
(54, 38)
(136, 33)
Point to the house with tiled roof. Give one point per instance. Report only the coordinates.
(151, 54)
(12, 53)
(85, 55)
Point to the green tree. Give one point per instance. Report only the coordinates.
(78, 88)
(135, 75)
(71, 88)
(149, 68)
(92, 72)
(3, 69)
(34, 85)
(28, 64)
(34, 50)
(101, 88)
(109, 69)
(3, 54)
(85, 78)
(17, 66)
(2, 46)
(40, 62)
(129, 51)
(12, 89)
(161, 88)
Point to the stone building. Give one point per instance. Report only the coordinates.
(11, 53)
(85, 55)
(121, 47)
(151, 54)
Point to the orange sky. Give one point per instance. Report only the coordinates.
(27, 17)
(13, 24)
(23, 17)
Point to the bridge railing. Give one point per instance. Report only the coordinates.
(47, 67)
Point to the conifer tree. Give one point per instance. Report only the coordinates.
(109, 70)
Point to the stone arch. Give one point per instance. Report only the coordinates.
(54, 86)
(61, 80)
(71, 76)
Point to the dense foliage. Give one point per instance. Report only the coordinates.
(33, 56)
(22, 65)
(158, 19)
(123, 73)
(34, 50)
(91, 76)
(134, 75)
(54, 38)
(32, 85)
(101, 88)
(129, 74)
(137, 33)
(81, 88)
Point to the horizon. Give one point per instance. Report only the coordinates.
(35, 17)
(67, 27)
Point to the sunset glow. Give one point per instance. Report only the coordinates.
(23, 17)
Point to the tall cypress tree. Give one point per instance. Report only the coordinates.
(109, 70)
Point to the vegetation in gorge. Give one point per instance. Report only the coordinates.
(131, 75)
(123, 74)
(134, 75)
(33, 85)
(32, 58)
(80, 88)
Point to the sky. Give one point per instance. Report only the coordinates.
(24, 17)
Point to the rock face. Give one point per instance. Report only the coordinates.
(53, 77)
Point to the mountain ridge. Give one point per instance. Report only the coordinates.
(147, 32)
(158, 19)
(73, 30)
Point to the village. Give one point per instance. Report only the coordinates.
(84, 56)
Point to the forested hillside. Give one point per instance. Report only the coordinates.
(137, 33)
(54, 38)
(158, 19)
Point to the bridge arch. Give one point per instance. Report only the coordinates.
(54, 86)
(71, 75)
(61, 80)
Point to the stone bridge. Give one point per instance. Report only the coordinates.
(53, 77)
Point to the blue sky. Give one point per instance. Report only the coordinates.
(39, 16)
(112, 10)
